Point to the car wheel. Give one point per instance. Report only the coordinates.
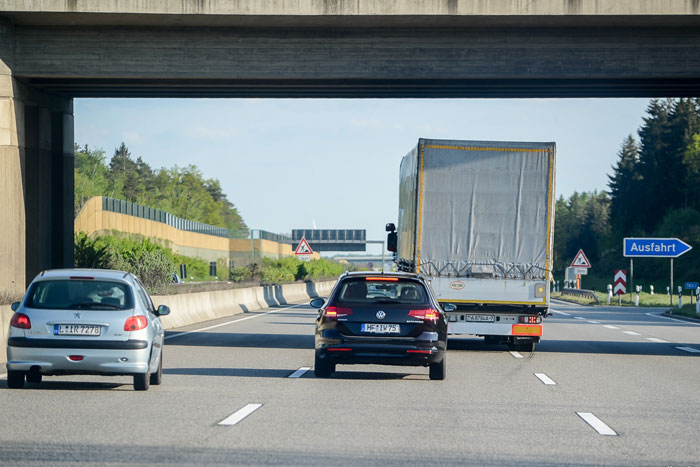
(438, 370)
(15, 379)
(141, 381)
(157, 377)
(322, 369)
(34, 377)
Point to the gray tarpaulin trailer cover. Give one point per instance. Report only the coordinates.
(477, 209)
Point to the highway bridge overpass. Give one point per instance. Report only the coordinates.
(52, 52)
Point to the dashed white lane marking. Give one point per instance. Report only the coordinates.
(597, 424)
(560, 312)
(230, 322)
(672, 319)
(656, 339)
(594, 322)
(239, 415)
(300, 372)
(610, 326)
(689, 349)
(516, 354)
(631, 333)
(578, 317)
(545, 379)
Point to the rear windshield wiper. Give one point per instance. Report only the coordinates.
(94, 305)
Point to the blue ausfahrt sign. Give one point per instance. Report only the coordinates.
(655, 247)
(691, 285)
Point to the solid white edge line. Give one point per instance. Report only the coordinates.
(231, 322)
(239, 415)
(688, 349)
(672, 319)
(610, 326)
(300, 372)
(516, 354)
(596, 423)
(545, 379)
(657, 340)
(631, 333)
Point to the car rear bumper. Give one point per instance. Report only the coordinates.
(52, 356)
(381, 354)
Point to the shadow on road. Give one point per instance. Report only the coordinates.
(241, 372)
(67, 385)
(234, 339)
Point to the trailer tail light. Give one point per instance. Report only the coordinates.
(530, 319)
(426, 314)
(335, 312)
(20, 320)
(135, 323)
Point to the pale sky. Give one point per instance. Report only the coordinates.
(287, 163)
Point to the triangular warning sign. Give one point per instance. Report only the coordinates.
(580, 261)
(303, 248)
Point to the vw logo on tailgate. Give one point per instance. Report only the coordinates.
(381, 314)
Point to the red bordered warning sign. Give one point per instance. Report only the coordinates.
(303, 248)
(580, 261)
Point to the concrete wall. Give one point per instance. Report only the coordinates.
(186, 309)
(93, 220)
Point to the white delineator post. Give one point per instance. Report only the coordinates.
(697, 301)
(636, 296)
(609, 293)
(680, 297)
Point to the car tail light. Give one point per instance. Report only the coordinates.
(76, 358)
(135, 323)
(419, 351)
(335, 312)
(20, 320)
(340, 349)
(530, 319)
(427, 314)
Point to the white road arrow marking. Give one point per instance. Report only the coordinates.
(656, 339)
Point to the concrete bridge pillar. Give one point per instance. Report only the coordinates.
(36, 177)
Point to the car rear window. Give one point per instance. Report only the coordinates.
(382, 290)
(80, 295)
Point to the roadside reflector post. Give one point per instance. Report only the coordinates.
(636, 296)
(651, 289)
(680, 297)
(609, 293)
(697, 301)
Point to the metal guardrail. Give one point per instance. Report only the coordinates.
(158, 215)
(581, 293)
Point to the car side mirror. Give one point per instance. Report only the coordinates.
(15, 306)
(449, 307)
(163, 310)
(317, 302)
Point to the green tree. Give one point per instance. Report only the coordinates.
(624, 184)
(90, 175)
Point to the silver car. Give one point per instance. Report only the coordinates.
(86, 321)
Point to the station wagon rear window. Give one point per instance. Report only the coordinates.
(80, 295)
(381, 290)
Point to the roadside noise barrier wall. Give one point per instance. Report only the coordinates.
(193, 308)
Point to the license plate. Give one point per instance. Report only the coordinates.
(480, 318)
(381, 328)
(76, 330)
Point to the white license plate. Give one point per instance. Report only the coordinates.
(76, 330)
(480, 318)
(381, 328)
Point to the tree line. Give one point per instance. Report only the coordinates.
(182, 191)
(653, 191)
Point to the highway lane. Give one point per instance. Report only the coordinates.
(491, 410)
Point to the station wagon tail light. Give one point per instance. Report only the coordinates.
(135, 323)
(530, 319)
(20, 320)
(335, 312)
(427, 314)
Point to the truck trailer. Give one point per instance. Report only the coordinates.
(477, 219)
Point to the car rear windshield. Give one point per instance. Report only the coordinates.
(80, 295)
(381, 290)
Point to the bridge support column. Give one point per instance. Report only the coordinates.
(36, 177)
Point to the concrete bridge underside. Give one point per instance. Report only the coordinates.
(52, 52)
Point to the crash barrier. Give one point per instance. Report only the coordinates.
(192, 308)
(581, 293)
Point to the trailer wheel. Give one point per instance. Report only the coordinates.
(492, 340)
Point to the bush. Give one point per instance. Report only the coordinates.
(88, 254)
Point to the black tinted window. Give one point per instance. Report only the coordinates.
(80, 295)
(385, 290)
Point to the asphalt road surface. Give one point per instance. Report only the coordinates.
(606, 386)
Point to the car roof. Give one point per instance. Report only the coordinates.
(403, 275)
(73, 272)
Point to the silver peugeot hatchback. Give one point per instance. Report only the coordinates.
(85, 321)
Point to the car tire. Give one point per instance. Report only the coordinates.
(15, 379)
(438, 370)
(157, 377)
(322, 369)
(142, 381)
(34, 377)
